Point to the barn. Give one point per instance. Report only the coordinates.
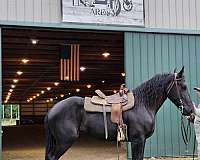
(141, 37)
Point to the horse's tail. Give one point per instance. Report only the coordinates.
(49, 139)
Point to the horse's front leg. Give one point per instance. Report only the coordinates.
(137, 148)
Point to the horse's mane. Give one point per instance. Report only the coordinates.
(149, 91)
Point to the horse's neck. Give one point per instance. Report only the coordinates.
(152, 98)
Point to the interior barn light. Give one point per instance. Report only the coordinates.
(31, 99)
(10, 90)
(19, 73)
(34, 41)
(15, 80)
(105, 54)
(77, 90)
(8, 97)
(62, 95)
(89, 86)
(82, 69)
(13, 86)
(123, 74)
(34, 97)
(9, 93)
(25, 61)
(5, 101)
(51, 99)
(42, 92)
(103, 81)
(48, 88)
(47, 101)
(56, 83)
(114, 91)
(37, 94)
(28, 100)
(56, 97)
(69, 93)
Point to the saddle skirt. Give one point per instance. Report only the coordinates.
(95, 104)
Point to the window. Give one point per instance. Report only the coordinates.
(10, 114)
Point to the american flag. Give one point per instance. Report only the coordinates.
(69, 64)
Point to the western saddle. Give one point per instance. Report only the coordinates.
(115, 104)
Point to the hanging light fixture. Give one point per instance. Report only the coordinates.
(34, 41)
(89, 86)
(25, 60)
(105, 54)
(13, 86)
(15, 80)
(56, 83)
(19, 73)
(82, 68)
(123, 74)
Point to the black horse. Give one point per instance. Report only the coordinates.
(64, 120)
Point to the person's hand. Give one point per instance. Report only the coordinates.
(191, 118)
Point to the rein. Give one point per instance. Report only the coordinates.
(185, 130)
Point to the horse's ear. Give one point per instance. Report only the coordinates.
(174, 70)
(180, 74)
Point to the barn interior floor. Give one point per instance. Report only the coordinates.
(27, 142)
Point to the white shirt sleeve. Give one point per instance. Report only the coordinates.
(197, 110)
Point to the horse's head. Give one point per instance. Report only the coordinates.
(177, 92)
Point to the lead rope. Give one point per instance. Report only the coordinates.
(194, 145)
(186, 132)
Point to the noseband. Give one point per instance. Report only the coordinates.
(174, 82)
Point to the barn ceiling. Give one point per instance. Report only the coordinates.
(43, 67)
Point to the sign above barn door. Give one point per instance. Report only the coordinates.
(111, 12)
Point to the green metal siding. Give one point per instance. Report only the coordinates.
(149, 53)
(0, 97)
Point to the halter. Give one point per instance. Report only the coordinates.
(174, 81)
(185, 130)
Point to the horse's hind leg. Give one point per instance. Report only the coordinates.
(61, 149)
(63, 142)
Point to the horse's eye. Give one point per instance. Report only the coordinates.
(184, 87)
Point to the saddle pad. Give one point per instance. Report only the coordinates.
(91, 107)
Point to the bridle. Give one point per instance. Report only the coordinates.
(185, 130)
(174, 82)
